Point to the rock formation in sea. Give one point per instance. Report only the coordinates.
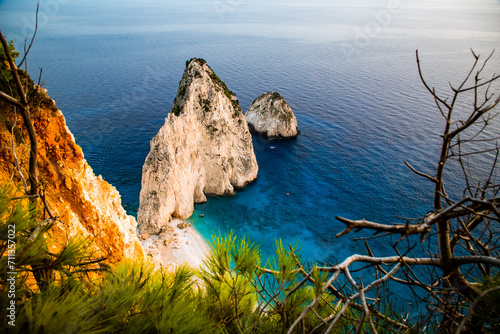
(203, 149)
(271, 116)
(86, 205)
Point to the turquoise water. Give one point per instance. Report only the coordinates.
(347, 69)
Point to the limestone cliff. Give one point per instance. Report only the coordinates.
(204, 148)
(87, 206)
(271, 116)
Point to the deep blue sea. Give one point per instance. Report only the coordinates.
(347, 69)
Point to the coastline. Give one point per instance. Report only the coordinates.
(179, 244)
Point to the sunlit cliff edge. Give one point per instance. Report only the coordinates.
(86, 205)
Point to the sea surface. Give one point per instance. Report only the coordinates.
(347, 69)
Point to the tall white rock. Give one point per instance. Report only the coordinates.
(205, 148)
(271, 116)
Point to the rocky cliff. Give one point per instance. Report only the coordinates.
(271, 116)
(204, 148)
(86, 205)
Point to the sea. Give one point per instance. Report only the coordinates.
(347, 68)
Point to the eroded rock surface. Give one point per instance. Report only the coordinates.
(203, 149)
(271, 116)
(87, 206)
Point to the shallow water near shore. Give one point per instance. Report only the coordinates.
(359, 102)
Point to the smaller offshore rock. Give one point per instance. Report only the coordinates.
(271, 116)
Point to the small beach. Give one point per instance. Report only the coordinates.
(178, 244)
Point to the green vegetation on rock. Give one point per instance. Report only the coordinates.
(229, 294)
(6, 77)
(200, 61)
(176, 110)
(219, 84)
(182, 91)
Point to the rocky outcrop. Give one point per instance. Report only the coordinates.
(271, 116)
(205, 148)
(86, 205)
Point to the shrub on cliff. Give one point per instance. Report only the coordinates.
(129, 298)
(25, 252)
(72, 293)
(12, 50)
(248, 297)
(176, 110)
(6, 76)
(68, 292)
(76, 294)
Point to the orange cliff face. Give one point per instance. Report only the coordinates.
(86, 205)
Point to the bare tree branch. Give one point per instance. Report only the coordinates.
(431, 90)
(24, 109)
(430, 178)
(475, 117)
(404, 230)
(33, 37)
(13, 148)
(466, 222)
(10, 100)
(463, 260)
(454, 211)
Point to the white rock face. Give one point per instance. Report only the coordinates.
(204, 148)
(271, 116)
